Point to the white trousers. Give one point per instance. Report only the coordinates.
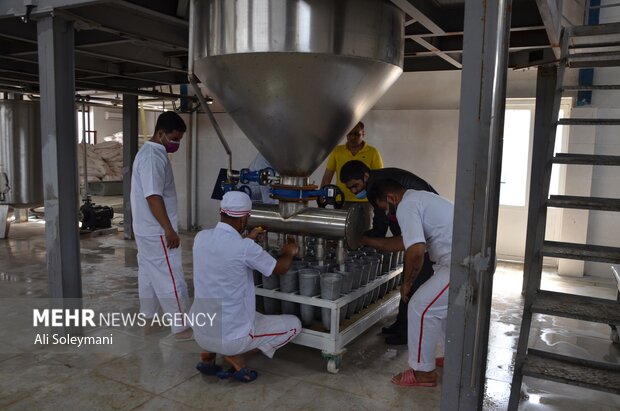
(427, 315)
(160, 279)
(270, 333)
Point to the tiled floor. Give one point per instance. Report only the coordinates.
(155, 373)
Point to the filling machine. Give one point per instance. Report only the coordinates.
(296, 76)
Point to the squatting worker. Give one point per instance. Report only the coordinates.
(154, 211)
(426, 223)
(223, 264)
(354, 149)
(359, 179)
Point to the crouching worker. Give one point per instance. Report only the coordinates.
(223, 264)
(426, 223)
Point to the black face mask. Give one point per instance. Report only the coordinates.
(391, 208)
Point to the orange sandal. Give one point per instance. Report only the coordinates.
(407, 378)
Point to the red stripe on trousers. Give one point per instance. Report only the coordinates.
(422, 320)
(266, 335)
(174, 284)
(294, 331)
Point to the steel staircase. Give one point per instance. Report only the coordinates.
(582, 47)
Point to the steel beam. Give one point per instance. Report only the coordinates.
(4, 221)
(548, 100)
(552, 19)
(422, 42)
(419, 16)
(18, 7)
(105, 70)
(145, 12)
(426, 63)
(183, 9)
(124, 24)
(483, 89)
(130, 148)
(60, 173)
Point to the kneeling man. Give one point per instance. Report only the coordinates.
(223, 264)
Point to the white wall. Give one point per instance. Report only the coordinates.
(441, 90)
(110, 126)
(603, 228)
(415, 126)
(105, 127)
(180, 160)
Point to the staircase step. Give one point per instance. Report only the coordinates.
(601, 62)
(586, 159)
(604, 54)
(593, 87)
(603, 6)
(583, 252)
(595, 30)
(595, 55)
(567, 370)
(589, 121)
(578, 307)
(580, 45)
(584, 203)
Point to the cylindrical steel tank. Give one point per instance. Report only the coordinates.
(20, 153)
(349, 224)
(297, 75)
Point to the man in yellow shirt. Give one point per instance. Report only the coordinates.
(354, 149)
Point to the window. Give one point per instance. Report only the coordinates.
(515, 155)
(554, 187)
(90, 134)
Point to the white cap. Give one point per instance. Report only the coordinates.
(236, 204)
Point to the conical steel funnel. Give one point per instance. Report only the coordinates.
(297, 75)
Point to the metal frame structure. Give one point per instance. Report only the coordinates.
(565, 368)
(333, 343)
(130, 149)
(483, 87)
(110, 52)
(60, 174)
(125, 45)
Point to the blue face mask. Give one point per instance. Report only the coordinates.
(361, 195)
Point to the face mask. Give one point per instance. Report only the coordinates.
(172, 146)
(391, 209)
(361, 195)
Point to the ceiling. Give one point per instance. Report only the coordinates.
(123, 45)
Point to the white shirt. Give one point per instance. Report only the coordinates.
(260, 193)
(223, 264)
(152, 174)
(425, 217)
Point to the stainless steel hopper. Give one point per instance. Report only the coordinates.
(297, 75)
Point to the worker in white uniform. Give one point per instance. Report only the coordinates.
(425, 219)
(154, 210)
(223, 264)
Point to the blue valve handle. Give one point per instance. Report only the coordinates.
(332, 195)
(259, 176)
(246, 189)
(233, 187)
(329, 194)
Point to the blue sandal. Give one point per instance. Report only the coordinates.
(245, 375)
(224, 375)
(208, 368)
